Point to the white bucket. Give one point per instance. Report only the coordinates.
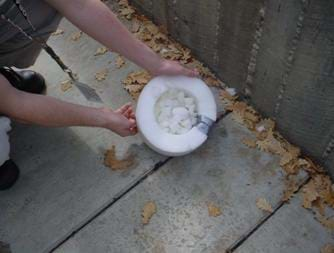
(154, 135)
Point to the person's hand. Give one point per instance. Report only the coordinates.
(173, 68)
(121, 121)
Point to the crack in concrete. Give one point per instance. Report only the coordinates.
(104, 208)
(243, 238)
(118, 197)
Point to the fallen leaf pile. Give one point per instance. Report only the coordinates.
(58, 32)
(66, 85)
(101, 75)
(157, 39)
(318, 192)
(135, 82)
(148, 211)
(101, 51)
(126, 10)
(213, 210)
(264, 205)
(111, 161)
(76, 36)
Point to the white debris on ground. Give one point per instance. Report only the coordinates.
(176, 111)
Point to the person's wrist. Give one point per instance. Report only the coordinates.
(103, 117)
(156, 66)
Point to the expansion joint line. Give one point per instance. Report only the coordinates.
(262, 221)
(119, 196)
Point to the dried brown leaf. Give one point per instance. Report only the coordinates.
(326, 222)
(76, 36)
(111, 161)
(264, 205)
(135, 26)
(148, 211)
(66, 85)
(101, 75)
(119, 62)
(310, 194)
(270, 144)
(101, 51)
(251, 143)
(224, 94)
(214, 210)
(58, 32)
(127, 12)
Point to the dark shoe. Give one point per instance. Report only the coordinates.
(9, 173)
(25, 80)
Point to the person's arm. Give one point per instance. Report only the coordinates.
(49, 111)
(97, 20)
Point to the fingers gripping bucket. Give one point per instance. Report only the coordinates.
(158, 131)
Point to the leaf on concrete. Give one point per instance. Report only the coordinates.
(313, 168)
(135, 26)
(293, 166)
(327, 222)
(111, 160)
(239, 107)
(66, 85)
(101, 51)
(318, 192)
(270, 144)
(212, 81)
(237, 117)
(76, 36)
(310, 194)
(264, 205)
(251, 143)
(101, 75)
(58, 32)
(214, 210)
(135, 82)
(291, 186)
(225, 94)
(263, 127)
(328, 248)
(123, 3)
(126, 11)
(148, 211)
(119, 62)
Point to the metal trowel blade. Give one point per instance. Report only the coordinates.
(89, 93)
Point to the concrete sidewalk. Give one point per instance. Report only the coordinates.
(67, 200)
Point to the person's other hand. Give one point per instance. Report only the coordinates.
(121, 121)
(167, 67)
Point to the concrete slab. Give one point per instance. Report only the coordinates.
(292, 229)
(63, 180)
(223, 171)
